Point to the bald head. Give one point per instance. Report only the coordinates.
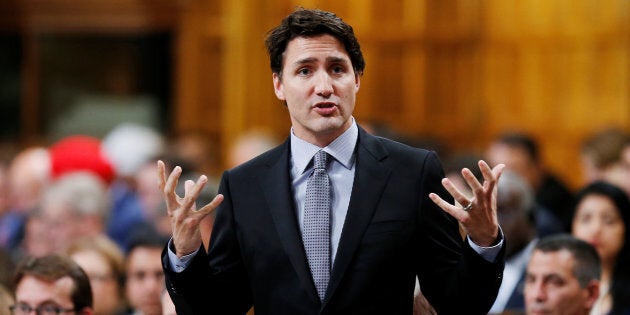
(29, 172)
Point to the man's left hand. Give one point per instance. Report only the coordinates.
(478, 216)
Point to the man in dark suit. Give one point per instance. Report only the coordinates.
(390, 217)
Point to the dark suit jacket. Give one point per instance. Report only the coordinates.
(392, 232)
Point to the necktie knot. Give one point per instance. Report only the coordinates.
(320, 160)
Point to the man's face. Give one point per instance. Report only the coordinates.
(319, 87)
(145, 280)
(515, 159)
(513, 219)
(35, 292)
(552, 288)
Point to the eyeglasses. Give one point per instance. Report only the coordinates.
(25, 309)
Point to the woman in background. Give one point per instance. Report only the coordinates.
(103, 262)
(602, 218)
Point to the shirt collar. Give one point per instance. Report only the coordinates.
(342, 149)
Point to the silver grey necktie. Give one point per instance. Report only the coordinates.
(316, 235)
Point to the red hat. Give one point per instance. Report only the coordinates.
(80, 153)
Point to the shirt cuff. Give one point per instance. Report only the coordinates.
(488, 253)
(178, 264)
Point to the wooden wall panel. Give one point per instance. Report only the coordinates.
(461, 71)
(554, 70)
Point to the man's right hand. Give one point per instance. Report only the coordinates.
(185, 217)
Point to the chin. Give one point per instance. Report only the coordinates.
(328, 125)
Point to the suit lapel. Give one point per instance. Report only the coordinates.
(369, 181)
(277, 187)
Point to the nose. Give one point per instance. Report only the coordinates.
(323, 84)
(595, 227)
(538, 291)
(154, 283)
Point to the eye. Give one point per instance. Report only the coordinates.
(338, 69)
(50, 310)
(530, 278)
(556, 281)
(583, 218)
(24, 308)
(304, 71)
(139, 275)
(609, 220)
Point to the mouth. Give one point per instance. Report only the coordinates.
(324, 105)
(325, 108)
(596, 243)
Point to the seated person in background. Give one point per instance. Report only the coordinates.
(73, 206)
(602, 157)
(103, 262)
(520, 153)
(602, 218)
(51, 285)
(129, 146)
(27, 177)
(515, 206)
(145, 278)
(562, 277)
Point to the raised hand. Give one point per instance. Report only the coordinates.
(185, 217)
(478, 217)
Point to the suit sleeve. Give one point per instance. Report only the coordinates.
(453, 277)
(215, 282)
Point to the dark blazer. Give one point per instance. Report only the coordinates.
(392, 232)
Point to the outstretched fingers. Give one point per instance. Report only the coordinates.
(168, 186)
(192, 191)
(455, 211)
(185, 217)
(460, 197)
(491, 176)
(211, 206)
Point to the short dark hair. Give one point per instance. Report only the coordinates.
(308, 23)
(588, 265)
(54, 267)
(145, 236)
(523, 141)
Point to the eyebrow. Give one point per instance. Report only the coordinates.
(312, 60)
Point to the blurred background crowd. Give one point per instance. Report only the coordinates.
(97, 200)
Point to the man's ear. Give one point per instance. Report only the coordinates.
(278, 88)
(592, 289)
(357, 80)
(86, 311)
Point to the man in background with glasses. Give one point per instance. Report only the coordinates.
(51, 285)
